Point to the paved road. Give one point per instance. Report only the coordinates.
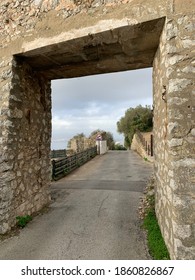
(93, 214)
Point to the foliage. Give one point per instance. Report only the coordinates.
(23, 220)
(139, 118)
(119, 147)
(106, 135)
(156, 244)
(79, 135)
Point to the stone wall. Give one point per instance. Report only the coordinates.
(103, 36)
(35, 19)
(81, 144)
(25, 142)
(174, 115)
(17, 15)
(138, 146)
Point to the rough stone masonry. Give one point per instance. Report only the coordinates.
(41, 40)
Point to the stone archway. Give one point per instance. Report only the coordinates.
(133, 36)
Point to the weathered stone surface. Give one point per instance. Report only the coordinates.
(172, 134)
(181, 6)
(42, 40)
(117, 50)
(138, 145)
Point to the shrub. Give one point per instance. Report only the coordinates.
(23, 220)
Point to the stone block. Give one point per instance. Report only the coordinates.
(184, 6)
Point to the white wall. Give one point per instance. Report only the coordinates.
(101, 147)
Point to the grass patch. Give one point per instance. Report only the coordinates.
(156, 244)
(22, 221)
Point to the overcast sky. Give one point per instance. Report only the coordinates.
(82, 105)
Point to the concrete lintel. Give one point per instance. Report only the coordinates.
(130, 46)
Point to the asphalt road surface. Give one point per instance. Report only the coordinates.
(93, 214)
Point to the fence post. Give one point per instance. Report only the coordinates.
(53, 169)
(146, 146)
(148, 149)
(151, 144)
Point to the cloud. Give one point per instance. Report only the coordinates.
(60, 123)
(96, 102)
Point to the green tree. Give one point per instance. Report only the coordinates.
(139, 118)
